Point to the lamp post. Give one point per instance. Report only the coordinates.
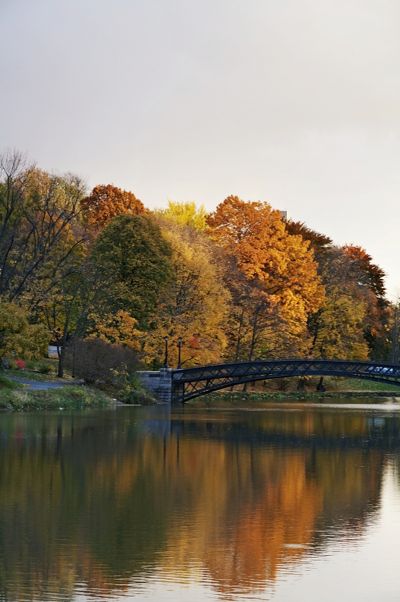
(166, 352)
(180, 342)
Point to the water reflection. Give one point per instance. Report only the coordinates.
(108, 504)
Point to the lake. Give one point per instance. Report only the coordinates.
(291, 503)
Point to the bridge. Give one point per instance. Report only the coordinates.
(180, 385)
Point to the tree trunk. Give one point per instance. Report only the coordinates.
(239, 336)
(253, 338)
(73, 358)
(61, 358)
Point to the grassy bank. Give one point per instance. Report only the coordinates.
(64, 398)
(6, 384)
(16, 397)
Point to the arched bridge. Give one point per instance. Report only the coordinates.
(180, 385)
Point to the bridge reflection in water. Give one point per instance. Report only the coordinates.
(109, 504)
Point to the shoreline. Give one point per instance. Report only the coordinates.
(233, 399)
(61, 398)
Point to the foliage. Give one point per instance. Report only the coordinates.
(38, 228)
(275, 280)
(351, 269)
(106, 202)
(339, 332)
(131, 256)
(6, 383)
(319, 242)
(17, 336)
(341, 270)
(185, 214)
(44, 368)
(370, 280)
(119, 328)
(196, 303)
(369, 274)
(95, 360)
(240, 283)
(131, 391)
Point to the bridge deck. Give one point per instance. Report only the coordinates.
(193, 382)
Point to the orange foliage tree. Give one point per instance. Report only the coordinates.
(276, 279)
(106, 202)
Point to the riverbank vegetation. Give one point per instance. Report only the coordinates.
(63, 398)
(106, 280)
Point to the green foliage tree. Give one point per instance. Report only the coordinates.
(133, 261)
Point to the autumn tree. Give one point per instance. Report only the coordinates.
(66, 313)
(185, 214)
(277, 271)
(19, 338)
(195, 305)
(340, 331)
(106, 202)
(367, 273)
(369, 284)
(119, 328)
(132, 260)
(351, 270)
(38, 215)
(394, 332)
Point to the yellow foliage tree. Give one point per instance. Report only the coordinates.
(340, 332)
(186, 214)
(18, 338)
(196, 305)
(118, 329)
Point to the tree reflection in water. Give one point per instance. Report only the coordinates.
(98, 502)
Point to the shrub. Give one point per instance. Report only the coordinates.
(132, 391)
(5, 383)
(44, 368)
(136, 396)
(95, 360)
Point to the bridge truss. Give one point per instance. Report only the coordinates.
(193, 382)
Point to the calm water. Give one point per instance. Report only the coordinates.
(295, 503)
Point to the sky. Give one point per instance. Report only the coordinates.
(295, 102)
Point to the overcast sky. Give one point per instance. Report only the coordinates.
(296, 102)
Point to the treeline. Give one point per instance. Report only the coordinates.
(239, 283)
